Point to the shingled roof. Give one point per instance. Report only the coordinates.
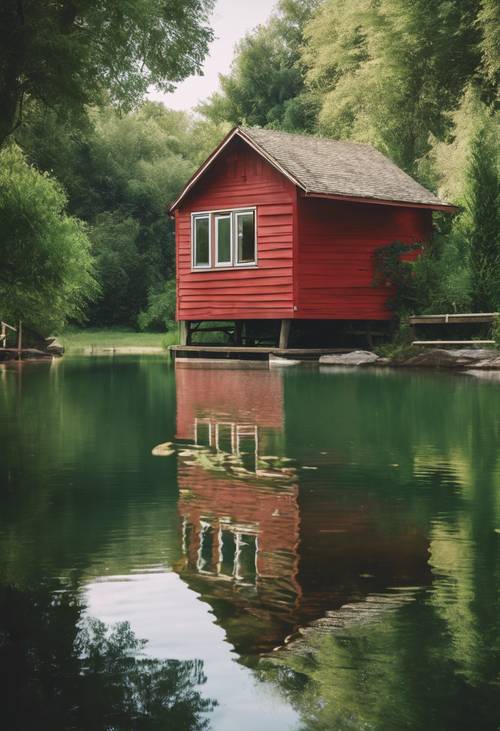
(322, 166)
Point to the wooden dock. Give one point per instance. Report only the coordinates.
(256, 353)
(10, 354)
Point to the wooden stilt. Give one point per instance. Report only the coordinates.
(184, 332)
(238, 329)
(19, 339)
(284, 333)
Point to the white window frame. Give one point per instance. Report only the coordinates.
(237, 215)
(196, 217)
(220, 217)
(212, 216)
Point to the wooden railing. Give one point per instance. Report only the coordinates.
(457, 318)
(3, 332)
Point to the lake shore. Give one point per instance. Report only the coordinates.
(116, 342)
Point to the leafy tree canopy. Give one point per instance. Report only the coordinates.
(266, 85)
(120, 171)
(389, 72)
(46, 275)
(71, 53)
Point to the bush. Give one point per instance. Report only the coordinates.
(47, 271)
(437, 280)
(160, 312)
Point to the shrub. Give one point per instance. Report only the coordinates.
(160, 312)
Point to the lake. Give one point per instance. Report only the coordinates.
(301, 550)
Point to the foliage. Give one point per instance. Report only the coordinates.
(120, 172)
(489, 20)
(72, 54)
(46, 276)
(460, 270)
(63, 670)
(160, 313)
(436, 280)
(389, 72)
(266, 86)
(482, 221)
(394, 269)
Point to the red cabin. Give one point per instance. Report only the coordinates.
(283, 227)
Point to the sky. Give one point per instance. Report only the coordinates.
(231, 20)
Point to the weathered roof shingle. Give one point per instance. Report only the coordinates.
(328, 167)
(332, 167)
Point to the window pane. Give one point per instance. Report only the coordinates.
(201, 241)
(206, 550)
(246, 568)
(224, 438)
(246, 237)
(228, 551)
(203, 433)
(223, 240)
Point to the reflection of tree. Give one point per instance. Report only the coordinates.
(61, 671)
(384, 676)
(72, 439)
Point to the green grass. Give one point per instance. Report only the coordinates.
(76, 340)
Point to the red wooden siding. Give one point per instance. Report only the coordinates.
(336, 243)
(314, 255)
(240, 178)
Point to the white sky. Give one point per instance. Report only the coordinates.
(231, 20)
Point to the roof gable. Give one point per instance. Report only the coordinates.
(331, 168)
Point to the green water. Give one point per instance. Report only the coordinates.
(315, 550)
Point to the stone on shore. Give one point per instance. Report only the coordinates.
(54, 347)
(355, 358)
(463, 358)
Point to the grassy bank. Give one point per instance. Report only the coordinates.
(78, 340)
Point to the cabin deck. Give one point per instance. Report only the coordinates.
(232, 352)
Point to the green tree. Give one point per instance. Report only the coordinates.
(389, 72)
(482, 220)
(46, 276)
(120, 171)
(72, 53)
(160, 312)
(465, 169)
(265, 86)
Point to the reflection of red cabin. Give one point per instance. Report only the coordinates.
(243, 396)
(267, 547)
(281, 226)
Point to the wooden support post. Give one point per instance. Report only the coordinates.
(19, 339)
(238, 329)
(284, 333)
(184, 332)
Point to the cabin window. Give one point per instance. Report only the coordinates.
(224, 239)
(201, 241)
(223, 231)
(245, 243)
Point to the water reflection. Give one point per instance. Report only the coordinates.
(356, 572)
(63, 670)
(326, 544)
(263, 540)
